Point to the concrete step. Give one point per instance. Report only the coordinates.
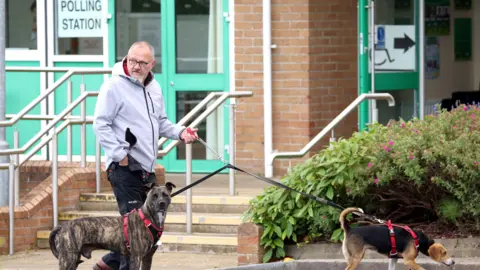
(180, 242)
(200, 203)
(175, 222)
(366, 264)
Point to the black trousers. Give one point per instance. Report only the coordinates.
(130, 191)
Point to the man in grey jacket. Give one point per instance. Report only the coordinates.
(132, 99)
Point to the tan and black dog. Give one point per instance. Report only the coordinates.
(78, 237)
(377, 237)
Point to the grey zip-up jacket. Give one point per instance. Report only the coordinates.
(123, 102)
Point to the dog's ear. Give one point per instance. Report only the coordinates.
(130, 138)
(170, 186)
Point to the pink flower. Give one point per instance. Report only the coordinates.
(402, 125)
(375, 181)
(386, 148)
(473, 115)
(411, 157)
(390, 143)
(465, 108)
(476, 163)
(348, 190)
(369, 165)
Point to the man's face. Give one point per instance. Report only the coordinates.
(140, 62)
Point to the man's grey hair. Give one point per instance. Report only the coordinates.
(143, 43)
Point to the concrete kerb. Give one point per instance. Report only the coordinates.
(367, 264)
(458, 248)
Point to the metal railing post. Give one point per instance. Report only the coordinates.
(69, 127)
(98, 161)
(332, 137)
(83, 129)
(17, 169)
(11, 206)
(188, 195)
(231, 148)
(55, 176)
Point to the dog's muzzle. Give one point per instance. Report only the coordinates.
(449, 262)
(163, 206)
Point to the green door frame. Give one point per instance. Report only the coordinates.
(189, 82)
(385, 81)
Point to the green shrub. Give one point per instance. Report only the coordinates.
(409, 172)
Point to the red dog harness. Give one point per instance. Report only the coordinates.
(393, 252)
(154, 231)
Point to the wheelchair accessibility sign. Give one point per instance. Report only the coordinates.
(394, 48)
(380, 42)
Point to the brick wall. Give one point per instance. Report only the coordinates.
(333, 64)
(313, 73)
(249, 249)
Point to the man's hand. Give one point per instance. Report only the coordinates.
(189, 136)
(124, 161)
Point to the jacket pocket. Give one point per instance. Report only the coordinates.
(151, 102)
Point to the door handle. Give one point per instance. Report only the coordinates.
(172, 83)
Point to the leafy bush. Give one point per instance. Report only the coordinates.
(416, 172)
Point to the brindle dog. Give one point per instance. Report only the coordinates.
(81, 236)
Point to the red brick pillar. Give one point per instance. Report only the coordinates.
(249, 249)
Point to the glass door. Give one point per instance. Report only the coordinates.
(25, 47)
(196, 46)
(81, 34)
(389, 58)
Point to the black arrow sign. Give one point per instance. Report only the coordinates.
(403, 43)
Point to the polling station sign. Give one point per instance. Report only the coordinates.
(79, 18)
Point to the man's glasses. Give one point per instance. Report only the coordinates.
(133, 62)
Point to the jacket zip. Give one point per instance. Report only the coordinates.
(151, 100)
(151, 124)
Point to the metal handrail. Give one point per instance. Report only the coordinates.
(188, 152)
(89, 119)
(222, 97)
(43, 95)
(330, 126)
(50, 125)
(190, 114)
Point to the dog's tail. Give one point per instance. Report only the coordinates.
(343, 216)
(51, 240)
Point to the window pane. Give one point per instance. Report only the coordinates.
(21, 24)
(136, 21)
(199, 36)
(405, 106)
(210, 130)
(78, 27)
